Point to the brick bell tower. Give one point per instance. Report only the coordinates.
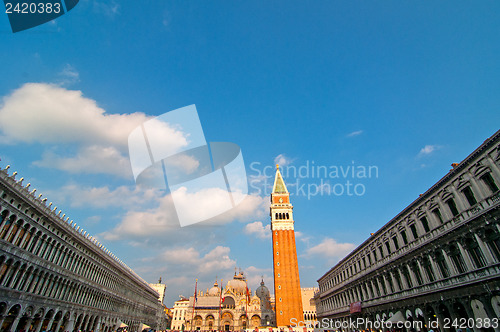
(286, 269)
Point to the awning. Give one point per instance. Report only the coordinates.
(144, 326)
(397, 317)
(122, 324)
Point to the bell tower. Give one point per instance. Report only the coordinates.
(285, 266)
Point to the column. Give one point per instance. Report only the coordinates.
(13, 327)
(423, 274)
(28, 324)
(71, 323)
(465, 255)
(97, 325)
(387, 285)
(18, 234)
(451, 266)
(59, 323)
(485, 250)
(40, 323)
(412, 275)
(470, 313)
(486, 300)
(394, 282)
(434, 268)
(403, 278)
(51, 321)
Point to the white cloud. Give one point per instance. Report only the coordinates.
(46, 113)
(255, 275)
(69, 75)
(90, 160)
(104, 197)
(355, 133)
(162, 221)
(330, 249)
(150, 222)
(216, 260)
(427, 150)
(50, 114)
(257, 228)
(282, 160)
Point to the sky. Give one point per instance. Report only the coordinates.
(395, 91)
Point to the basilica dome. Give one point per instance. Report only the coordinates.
(238, 285)
(214, 290)
(262, 291)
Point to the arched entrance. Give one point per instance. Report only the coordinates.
(255, 321)
(11, 316)
(227, 321)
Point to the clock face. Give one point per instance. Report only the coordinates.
(281, 199)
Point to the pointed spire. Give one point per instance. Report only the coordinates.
(279, 185)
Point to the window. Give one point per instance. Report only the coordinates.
(475, 252)
(403, 235)
(470, 196)
(493, 241)
(395, 241)
(443, 267)
(369, 259)
(407, 277)
(418, 276)
(452, 206)
(375, 255)
(414, 231)
(381, 251)
(428, 269)
(438, 215)
(388, 247)
(382, 283)
(425, 224)
(398, 278)
(457, 259)
(488, 180)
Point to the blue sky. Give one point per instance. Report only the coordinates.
(406, 86)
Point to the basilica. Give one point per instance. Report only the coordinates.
(234, 307)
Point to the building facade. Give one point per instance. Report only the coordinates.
(160, 289)
(309, 306)
(232, 308)
(285, 265)
(56, 277)
(437, 260)
(179, 314)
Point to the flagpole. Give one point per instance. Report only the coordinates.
(194, 304)
(246, 306)
(220, 301)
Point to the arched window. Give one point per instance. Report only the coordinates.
(457, 259)
(475, 252)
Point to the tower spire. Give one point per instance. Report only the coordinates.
(279, 185)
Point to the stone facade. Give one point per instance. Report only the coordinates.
(309, 306)
(285, 264)
(179, 314)
(56, 277)
(233, 310)
(439, 259)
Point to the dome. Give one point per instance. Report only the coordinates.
(262, 291)
(238, 284)
(214, 290)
